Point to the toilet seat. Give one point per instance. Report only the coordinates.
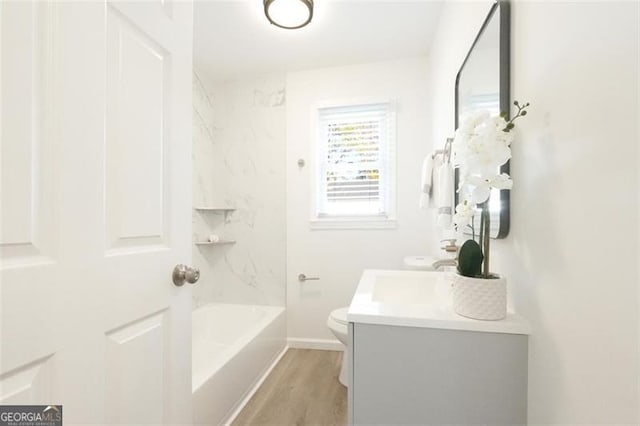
(340, 315)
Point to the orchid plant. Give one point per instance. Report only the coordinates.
(481, 145)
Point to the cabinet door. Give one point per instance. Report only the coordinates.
(410, 375)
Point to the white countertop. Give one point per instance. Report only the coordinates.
(418, 299)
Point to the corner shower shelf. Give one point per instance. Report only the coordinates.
(226, 211)
(217, 243)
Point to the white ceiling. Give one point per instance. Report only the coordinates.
(233, 37)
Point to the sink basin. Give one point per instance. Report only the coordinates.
(401, 292)
(417, 299)
(405, 289)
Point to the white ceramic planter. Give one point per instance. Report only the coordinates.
(480, 298)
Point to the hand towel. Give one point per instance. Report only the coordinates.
(426, 181)
(445, 196)
(435, 186)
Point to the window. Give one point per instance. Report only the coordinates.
(355, 166)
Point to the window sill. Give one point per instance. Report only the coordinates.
(352, 223)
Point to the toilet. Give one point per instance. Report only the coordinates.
(337, 323)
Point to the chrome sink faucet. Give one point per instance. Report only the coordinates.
(450, 247)
(440, 263)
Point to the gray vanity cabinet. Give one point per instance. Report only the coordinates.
(430, 376)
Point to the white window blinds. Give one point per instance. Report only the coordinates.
(354, 153)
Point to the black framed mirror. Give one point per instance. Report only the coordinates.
(483, 83)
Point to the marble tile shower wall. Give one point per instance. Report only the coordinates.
(239, 161)
(203, 191)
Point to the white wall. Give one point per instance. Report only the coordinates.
(339, 256)
(239, 154)
(569, 260)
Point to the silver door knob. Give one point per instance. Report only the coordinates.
(183, 273)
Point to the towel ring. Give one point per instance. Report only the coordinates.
(446, 152)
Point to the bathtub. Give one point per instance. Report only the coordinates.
(233, 347)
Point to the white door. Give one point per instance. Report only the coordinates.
(95, 157)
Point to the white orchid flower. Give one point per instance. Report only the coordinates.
(465, 211)
(501, 181)
(480, 146)
(476, 118)
(480, 187)
(485, 159)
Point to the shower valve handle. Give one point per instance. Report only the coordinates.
(302, 278)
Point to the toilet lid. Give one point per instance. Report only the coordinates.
(340, 315)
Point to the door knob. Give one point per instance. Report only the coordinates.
(183, 273)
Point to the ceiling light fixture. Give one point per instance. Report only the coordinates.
(289, 14)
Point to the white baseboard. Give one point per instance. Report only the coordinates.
(255, 387)
(321, 344)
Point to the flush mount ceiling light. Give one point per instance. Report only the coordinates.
(289, 14)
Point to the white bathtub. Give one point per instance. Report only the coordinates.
(233, 346)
